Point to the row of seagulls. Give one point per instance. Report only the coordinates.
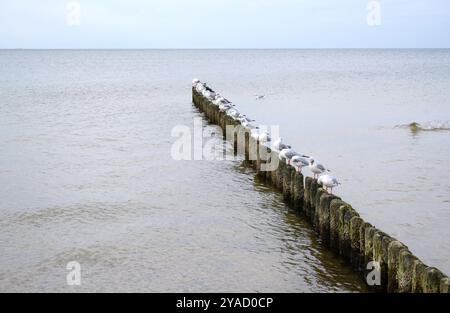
(222, 103)
(300, 160)
(285, 152)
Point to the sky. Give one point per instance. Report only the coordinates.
(200, 24)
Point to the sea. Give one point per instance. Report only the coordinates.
(87, 173)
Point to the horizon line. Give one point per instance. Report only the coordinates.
(325, 48)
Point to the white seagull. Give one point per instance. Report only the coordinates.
(254, 133)
(195, 81)
(225, 106)
(200, 87)
(209, 94)
(264, 137)
(220, 100)
(287, 154)
(300, 161)
(316, 168)
(245, 121)
(328, 181)
(279, 145)
(233, 113)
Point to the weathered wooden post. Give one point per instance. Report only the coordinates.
(324, 216)
(346, 212)
(356, 257)
(297, 190)
(334, 223)
(394, 250)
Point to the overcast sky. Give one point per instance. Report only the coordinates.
(127, 24)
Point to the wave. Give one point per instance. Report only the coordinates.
(427, 126)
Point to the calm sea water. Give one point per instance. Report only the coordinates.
(86, 173)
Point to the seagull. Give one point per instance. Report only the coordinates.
(259, 97)
(200, 87)
(225, 106)
(287, 154)
(244, 118)
(246, 122)
(316, 168)
(328, 181)
(279, 145)
(195, 81)
(239, 117)
(300, 161)
(209, 94)
(220, 100)
(233, 113)
(254, 133)
(264, 137)
(248, 125)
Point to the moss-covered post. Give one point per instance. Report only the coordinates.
(280, 174)
(286, 182)
(405, 272)
(247, 146)
(356, 257)
(418, 270)
(380, 255)
(346, 212)
(334, 223)
(217, 115)
(312, 200)
(431, 280)
(324, 216)
(368, 249)
(445, 285)
(315, 217)
(297, 190)
(394, 250)
(362, 242)
(307, 194)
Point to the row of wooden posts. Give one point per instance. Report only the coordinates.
(338, 224)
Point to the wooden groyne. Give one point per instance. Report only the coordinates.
(369, 250)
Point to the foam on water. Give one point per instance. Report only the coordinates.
(427, 126)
